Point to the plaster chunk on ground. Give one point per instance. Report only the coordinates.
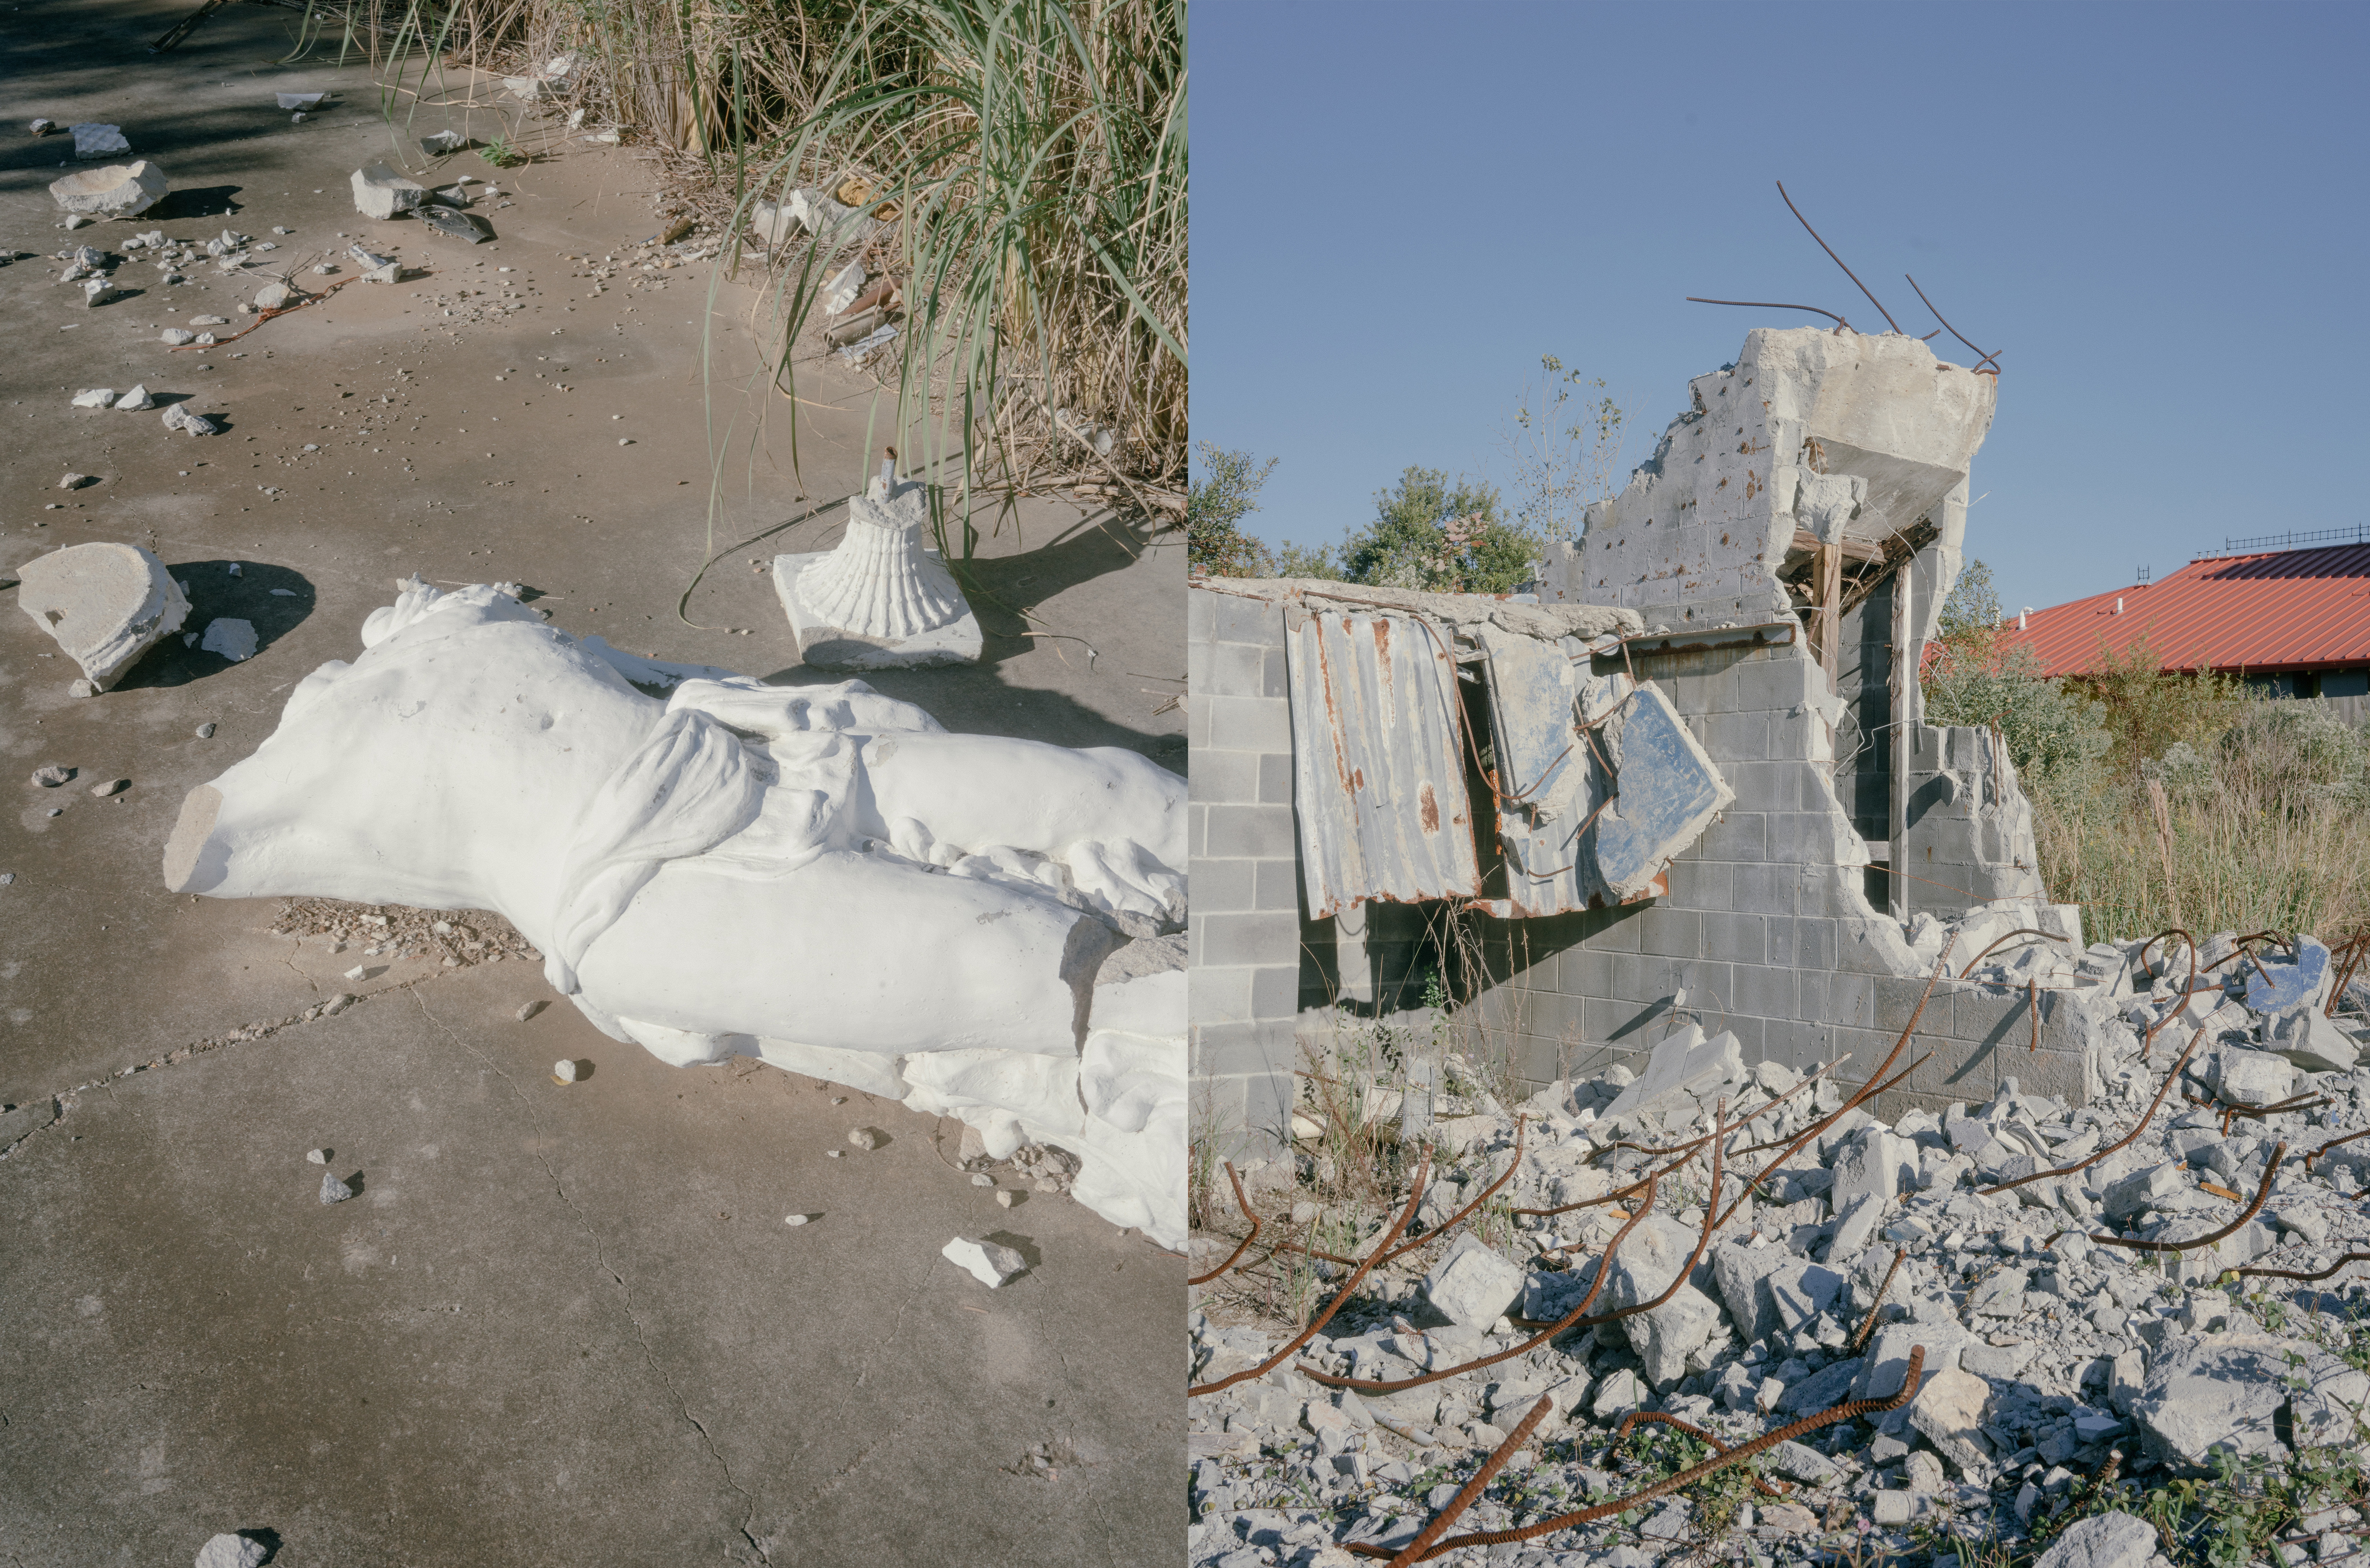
(95, 141)
(178, 417)
(231, 1551)
(1654, 1255)
(989, 1263)
(1472, 1284)
(106, 604)
(135, 401)
(1949, 1410)
(2103, 1540)
(2208, 1390)
(334, 1190)
(233, 639)
(381, 192)
(1685, 1071)
(117, 190)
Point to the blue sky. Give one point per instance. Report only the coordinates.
(2158, 214)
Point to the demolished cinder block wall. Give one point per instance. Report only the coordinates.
(1769, 928)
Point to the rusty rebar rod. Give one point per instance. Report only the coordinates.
(2332, 1144)
(1424, 1167)
(1991, 358)
(2298, 1274)
(2011, 936)
(1431, 1235)
(1867, 1324)
(1661, 1418)
(1770, 304)
(2263, 1195)
(1848, 1411)
(1837, 259)
(1233, 1257)
(1420, 1548)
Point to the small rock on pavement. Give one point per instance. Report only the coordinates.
(317, 1156)
(1007, 1198)
(298, 100)
(95, 397)
(866, 1137)
(334, 1190)
(233, 639)
(989, 1263)
(231, 1551)
(95, 141)
(119, 191)
(358, 971)
(796, 1218)
(528, 1009)
(2103, 1540)
(51, 776)
(74, 481)
(274, 296)
(177, 336)
(206, 731)
(41, 127)
(380, 192)
(443, 142)
(135, 401)
(178, 417)
(564, 1071)
(390, 273)
(112, 787)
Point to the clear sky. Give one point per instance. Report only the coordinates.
(2158, 214)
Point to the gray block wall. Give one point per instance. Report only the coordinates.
(1244, 982)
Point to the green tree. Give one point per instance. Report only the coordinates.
(1215, 505)
(1971, 620)
(1431, 535)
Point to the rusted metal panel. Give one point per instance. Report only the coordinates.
(1550, 780)
(1379, 774)
(1669, 792)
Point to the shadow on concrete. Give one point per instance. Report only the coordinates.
(199, 201)
(1026, 1246)
(273, 600)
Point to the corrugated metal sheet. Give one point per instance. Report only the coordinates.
(1378, 773)
(2291, 610)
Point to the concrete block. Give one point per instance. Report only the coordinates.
(1237, 620)
(1197, 724)
(1738, 939)
(1275, 993)
(1735, 836)
(1252, 830)
(1196, 830)
(1736, 736)
(1275, 778)
(1982, 1016)
(1200, 616)
(1223, 887)
(1218, 996)
(1763, 889)
(1249, 723)
(1781, 682)
(1671, 933)
(1253, 939)
(1700, 883)
(1768, 992)
(1278, 886)
(1243, 1048)
(1229, 670)
(1229, 778)
(1275, 677)
(1897, 998)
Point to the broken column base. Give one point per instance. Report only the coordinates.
(831, 647)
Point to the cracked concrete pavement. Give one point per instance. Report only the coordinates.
(561, 1325)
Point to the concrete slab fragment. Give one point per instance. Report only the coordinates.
(106, 604)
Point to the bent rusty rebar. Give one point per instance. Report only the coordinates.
(2352, 952)
(2332, 1143)
(1837, 259)
(1991, 358)
(1420, 1548)
(2011, 936)
(1848, 1411)
(2147, 1041)
(1232, 1258)
(1569, 1320)
(2298, 1274)
(2262, 1195)
(1661, 1418)
(1867, 1324)
(1770, 304)
(1415, 1197)
(2080, 1165)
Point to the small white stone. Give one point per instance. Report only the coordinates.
(865, 1138)
(358, 971)
(1007, 1199)
(833, 1153)
(796, 1218)
(318, 1156)
(96, 397)
(233, 639)
(206, 731)
(983, 1180)
(135, 401)
(564, 1071)
(231, 1551)
(527, 1011)
(989, 1264)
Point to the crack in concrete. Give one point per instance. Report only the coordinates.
(625, 1292)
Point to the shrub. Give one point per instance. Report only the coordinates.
(1216, 504)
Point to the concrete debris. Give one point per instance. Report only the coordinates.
(209, 321)
(180, 417)
(456, 225)
(51, 776)
(390, 273)
(41, 127)
(334, 1190)
(275, 296)
(101, 397)
(206, 731)
(563, 1071)
(318, 1156)
(233, 1551)
(796, 1218)
(867, 1138)
(528, 1009)
(117, 190)
(233, 639)
(76, 481)
(135, 401)
(105, 603)
(441, 143)
(2045, 1350)
(96, 141)
(381, 192)
(96, 291)
(990, 1263)
(112, 787)
(298, 100)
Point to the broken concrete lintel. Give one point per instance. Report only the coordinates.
(1455, 610)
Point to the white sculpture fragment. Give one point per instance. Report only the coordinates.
(818, 876)
(880, 600)
(106, 604)
(381, 192)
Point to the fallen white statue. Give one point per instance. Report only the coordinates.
(820, 877)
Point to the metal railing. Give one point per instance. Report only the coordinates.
(2357, 534)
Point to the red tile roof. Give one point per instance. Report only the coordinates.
(2286, 610)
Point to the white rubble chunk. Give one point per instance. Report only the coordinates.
(2254, 1078)
(334, 1190)
(298, 100)
(564, 1071)
(117, 190)
(1877, 1162)
(135, 401)
(231, 1551)
(96, 397)
(988, 1262)
(180, 417)
(1949, 1410)
(96, 291)
(2114, 1539)
(96, 141)
(1655, 1253)
(441, 143)
(381, 192)
(233, 639)
(105, 603)
(1472, 1284)
(274, 296)
(2310, 1041)
(1685, 1071)
(2209, 1391)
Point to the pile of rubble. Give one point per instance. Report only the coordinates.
(2163, 1281)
